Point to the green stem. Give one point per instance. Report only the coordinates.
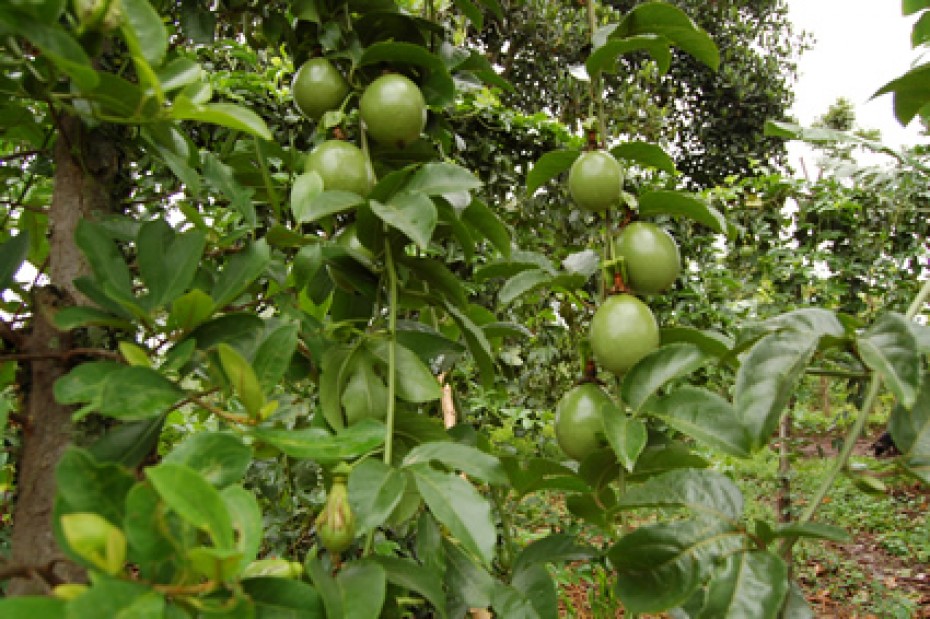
(596, 86)
(392, 352)
(498, 497)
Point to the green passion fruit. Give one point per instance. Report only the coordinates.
(579, 426)
(623, 331)
(318, 88)
(651, 257)
(393, 110)
(595, 181)
(341, 165)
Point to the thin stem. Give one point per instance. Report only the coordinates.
(918, 301)
(392, 352)
(596, 85)
(499, 498)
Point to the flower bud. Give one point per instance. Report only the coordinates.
(335, 525)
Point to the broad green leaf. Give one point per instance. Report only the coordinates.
(910, 429)
(530, 475)
(245, 514)
(224, 114)
(555, 548)
(766, 381)
(415, 381)
(646, 154)
(363, 585)
(436, 179)
(460, 457)
(627, 436)
(672, 23)
(658, 459)
(325, 585)
(242, 379)
(816, 321)
(456, 504)
(318, 444)
(480, 217)
(178, 73)
(604, 58)
(796, 605)
(85, 485)
(911, 93)
(679, 204)
(365, 395)
(133, 393)
(889, 348)
(812, 530)
(273, 357)
(656, 369)
(144, 31)
(409, 574)
(220, 458)
(537, 585)
(191, 309)
(150, 531)
(375, 489)
(241, 270)
(31, 607)
(12, 254)
(472, 12)
(222, 178)
(439, 278)
(909, 7)
(129, 444)
(220, 565)
(704, 416)
(413, 214)
(85, 382)
(508, 601)
(750, 584)
(522, 283)
(283, 598)
(327, 203)
(548, 167)
(707, 493)
(75, 316)
(711, 343)
(134, 354)
(307, 187)
(468, 582)
(104, 256)
(660, 566)
(194, 499)
(477, 342)
(116, 597)
(167, 261)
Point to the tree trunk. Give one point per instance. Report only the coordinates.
(86, 167)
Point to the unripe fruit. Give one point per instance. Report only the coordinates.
(335, 526)
(393, 110)
(341, 165)
(595, 181)
(318, 88)
(623, 331)
(578, 420)
(651, 257)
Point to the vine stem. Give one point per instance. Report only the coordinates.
(596, 85)
(392, 352)
(854, 432)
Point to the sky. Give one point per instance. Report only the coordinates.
(859, 46)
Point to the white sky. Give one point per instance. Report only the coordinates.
(860, 45)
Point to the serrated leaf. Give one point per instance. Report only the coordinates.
(766, 380)
(548, 167)
(704, 416)
(749, 584)
(194, 499)
(707, 493)
(889, 348)
(460, 457)
(457, 505)
(679, 204)
(413, 214)
(658, 368)
(375, 489)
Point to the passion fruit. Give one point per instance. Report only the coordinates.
(393, 110)
(623, 331)
(318, 88)
(341, 165)
(579, 426)
(651, 257)
(595, 181)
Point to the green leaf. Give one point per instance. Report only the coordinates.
(627, 437)
(910, 429)
(522, 283)
(241, 270)
(129, 444)
(749, 584)
(326, 586)
(477, 342)
(909, 7)
(104, 256)
(710, 342)
(283, 598)
(413, 214)
(12, 254)
(548, 167)
(436, 179)
(460, 457)
(365, 396)
(415, 381)
(645, 153)
(75, 316)
(480, 217)
(408, 574)
(85, 382)
(137, 392)
(889, 348)
(375, 489)
(707, 493)
(194, 499)
(318, 444)
(538, 586)
(911, 93)
(112, 597)
(273, 357)
(457, 505)
(222, 178)
(144, 30)
(167, 261)
(247, 520)
(704, 416)
(330, 203)
(33, 607)
(220, 458)
(660, 566)
(223, 114)
(604, 58)
(86, 485)
(439, 278)
(678, 204)
(534, 474)
(672, 23)
(363, 585)
(658, 368)
(150, 531)
(468, 583)
(242, 379)
(179, 73)
(307, 187)
(191, 309)
(555, 548)
(766, 380)
(472, 12)
(812, 530)
(813, 320)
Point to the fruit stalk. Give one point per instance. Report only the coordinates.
(392, 352)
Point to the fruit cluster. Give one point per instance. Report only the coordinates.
(646, 261)
(392, 110)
